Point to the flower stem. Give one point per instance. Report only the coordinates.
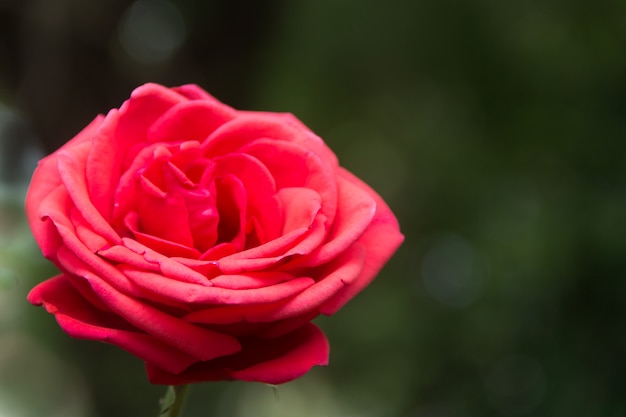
(174, 400)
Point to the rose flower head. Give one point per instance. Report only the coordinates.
(203, 239)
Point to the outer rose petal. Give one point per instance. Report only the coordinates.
(191, 120)
(45, 179)
(194, 92)
(80, 319)
(381, 239)
(203, 344)
(146, 104)
(71, 167)
(341, 273)
(272, 361)
(308, 139)
(355, 211)
(103, 165)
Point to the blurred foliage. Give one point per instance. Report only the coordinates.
(494, 129)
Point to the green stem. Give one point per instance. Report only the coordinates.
(173, 402)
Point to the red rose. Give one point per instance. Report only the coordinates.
(203, 239)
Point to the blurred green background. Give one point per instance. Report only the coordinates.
(494, 129)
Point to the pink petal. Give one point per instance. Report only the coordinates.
(190, 121)
(165, 218)
(125, 198)
(71, 167)
(146, 259)
(104, 165)
(219, 251)
(247, 261)
(381, 239)
(271, 361)
(207, 268)
(331, 279)
(81, 320)
(194, 92)
(182, 292)
(251, 125)
(201, 343)
(293, 165)
(166, 247)
(273, 250)
(45, 180)
(203, 217)
(282, 327)
(300, 205)
(355, 211)
(246, 128)
(79, 257)
(231, 204)
(251, 280)
(231, 314)
(92, 240)
(122, 255)
(162, 246)
(44, 230)
(146, 104)
(260, 189)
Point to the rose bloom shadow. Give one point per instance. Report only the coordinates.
(203, 239)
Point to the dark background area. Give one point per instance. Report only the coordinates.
(494, 129)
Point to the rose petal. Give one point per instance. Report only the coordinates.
(191, 120)
(247, 127)
(207, 268)
(92, 240)
(103, 167)
(46, 178)
(308, 138)
(246, 261)
(71, 168)
(231, 201)
(122, 255)
(300, 205)
(81, 320)
(355, 211)
(164, 217)
(83, 258)
(282, 327)
(194, 92)
(166, 247)
(338, 274)
(44, 228)
(331, 278)
(182, 292)
(381, 239)
(125, 198)
(251, 280)
(218, 251)
(274, 249)
(260, 189)
(230, 314)
(162, 246)
(293, 165)
(202, 343)
(272, 361)
(142, 258)
(146, 104)
(251, 125)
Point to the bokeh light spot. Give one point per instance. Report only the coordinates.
(152, 30)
